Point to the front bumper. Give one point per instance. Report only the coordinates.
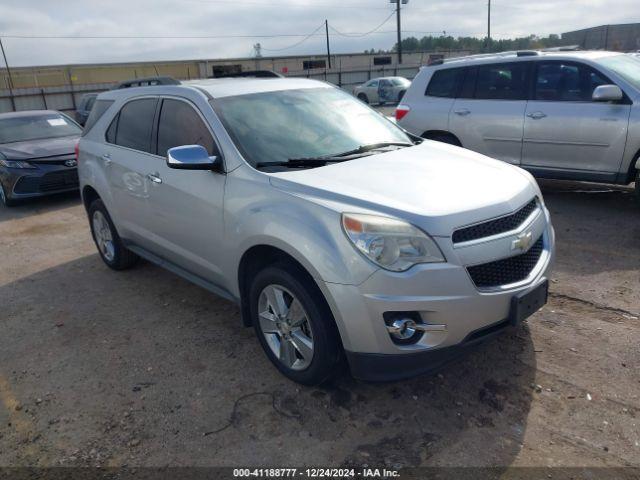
(443, 295)
(45, 179)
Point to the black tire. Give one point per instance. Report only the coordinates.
(363, 98)
(7, 202)
(122, 257)
(444, 138)
(327, 349)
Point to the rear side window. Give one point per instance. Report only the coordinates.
(507, 81)
(181, 125)
(135, 124)
(445, 83)
(97, 111)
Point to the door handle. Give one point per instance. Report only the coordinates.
(462, 112)
(536, 115)
(154, 178)
(107, 159)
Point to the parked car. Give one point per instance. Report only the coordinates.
(382, 90)
(335, 233)
(84, 108)
(566, 115)
(37, 154)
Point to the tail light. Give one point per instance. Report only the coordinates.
(401, 111)
(77, 149)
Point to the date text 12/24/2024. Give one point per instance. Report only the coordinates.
(315, 473)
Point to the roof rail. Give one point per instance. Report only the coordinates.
(147, 82)
(250, 73)
(566, 48)
(527, 53)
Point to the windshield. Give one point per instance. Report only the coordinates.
(36, 127)
(277, 126)
(625, 66)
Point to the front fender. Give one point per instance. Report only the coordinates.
(309, 232)
(91, 173)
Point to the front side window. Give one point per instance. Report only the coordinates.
(566, 82)
(444, 83)
(278, 126)
(22, 128)
(181, 125)
(506, 81)
(135, 123)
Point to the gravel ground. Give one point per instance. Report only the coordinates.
(141, 368)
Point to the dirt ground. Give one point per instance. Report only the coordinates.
(142, 368)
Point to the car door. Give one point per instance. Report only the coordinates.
(187, 205)
(128, 161)
(385, 92)
(564, 129)
(488, 115)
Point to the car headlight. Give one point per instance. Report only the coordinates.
(15, 164)
(390, 243)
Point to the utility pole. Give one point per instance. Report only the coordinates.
(10, 83)
(398, 2)
(489, 23)
(326, 28)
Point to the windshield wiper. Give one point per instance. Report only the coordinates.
(334, 157)
(368, 148)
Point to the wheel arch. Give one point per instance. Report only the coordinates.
(431, 134)
(89, 195)
(260, 256)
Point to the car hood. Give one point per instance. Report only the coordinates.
(435, 186)
(39, 149)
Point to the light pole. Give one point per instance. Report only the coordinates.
(398, 2)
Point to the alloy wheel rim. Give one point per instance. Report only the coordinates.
(102, 235)
(286, 327)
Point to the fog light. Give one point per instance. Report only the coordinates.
(403, 327)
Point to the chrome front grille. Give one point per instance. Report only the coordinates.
(507, 270)
(495, 226)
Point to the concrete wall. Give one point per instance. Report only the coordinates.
(62, 87)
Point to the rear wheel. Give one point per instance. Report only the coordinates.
(294, 324)
(6, 201)
(109, 244)
(363, 98)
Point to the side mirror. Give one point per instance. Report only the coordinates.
(607, 93)
(191, 157)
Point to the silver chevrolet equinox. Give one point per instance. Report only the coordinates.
(340, 236)
(564, 115)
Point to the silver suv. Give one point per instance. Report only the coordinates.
(338, 235)
(564, 115)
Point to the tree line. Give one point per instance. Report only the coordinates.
(474, 44)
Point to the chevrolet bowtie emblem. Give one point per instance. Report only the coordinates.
(522, 242)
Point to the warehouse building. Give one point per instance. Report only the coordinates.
(622, 37)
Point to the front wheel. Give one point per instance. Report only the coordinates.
(109, 244)
(363, 98)
(294, 324)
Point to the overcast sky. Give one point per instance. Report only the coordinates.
(238, 18)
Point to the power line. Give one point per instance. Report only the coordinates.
(287, 5)
(366, 33)
(297, 43)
